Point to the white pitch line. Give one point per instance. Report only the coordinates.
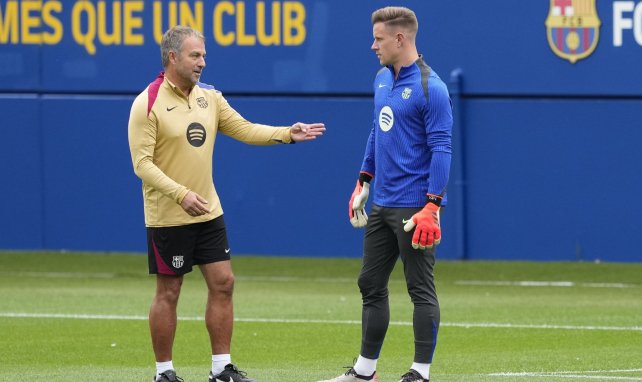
(541, 326)
(60, 275)
(318, 321)
(562, 284)
(334, 280)
(289, 279)
(588, 374)
(575, 376)
(106, 275)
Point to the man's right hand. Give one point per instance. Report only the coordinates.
(357, 204)
(194, 204)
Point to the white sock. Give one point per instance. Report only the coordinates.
(365, 366)
(219, 361)
(422, 368)
(163, 366)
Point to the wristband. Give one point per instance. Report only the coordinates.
(364, 177)
(434, 199)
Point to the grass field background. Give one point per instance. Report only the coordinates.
(82, 317)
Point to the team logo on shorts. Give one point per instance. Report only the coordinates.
(406, 93)
(177, 261)
(202, 102)
(386, 118)
(572, 28)
(196, 134)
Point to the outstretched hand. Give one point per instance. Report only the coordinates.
(306, 131)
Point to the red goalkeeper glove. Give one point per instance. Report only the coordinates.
(357, 204)
(427, 231)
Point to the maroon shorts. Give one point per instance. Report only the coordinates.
(174, 250)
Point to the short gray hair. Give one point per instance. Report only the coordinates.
(173, 41)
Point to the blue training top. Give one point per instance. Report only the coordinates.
(409, 147)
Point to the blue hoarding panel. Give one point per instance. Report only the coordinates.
(324, 46)
(554, 180)
(21, 163)
(90, 190)
(69, 71)
(20, 68)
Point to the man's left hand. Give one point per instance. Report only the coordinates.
(427, 231)
(306, 131)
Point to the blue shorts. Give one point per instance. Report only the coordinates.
(175, 250)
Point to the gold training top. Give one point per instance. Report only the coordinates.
(171, 139)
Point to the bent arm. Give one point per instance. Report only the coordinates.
(142, 142)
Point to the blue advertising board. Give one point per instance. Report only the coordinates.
(547, 105)
(505, 47)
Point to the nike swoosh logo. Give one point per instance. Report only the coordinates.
(227, 250)
(382, 86)
(404, 221)
(171, 108)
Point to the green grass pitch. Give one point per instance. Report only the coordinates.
(82, 317)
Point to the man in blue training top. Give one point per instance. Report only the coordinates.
(408, 156)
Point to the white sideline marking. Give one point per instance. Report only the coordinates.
(106, 275)
(308, 321)
(545, 284)
(332, 280)
(587, 374)
(288, 279)
(58, 275)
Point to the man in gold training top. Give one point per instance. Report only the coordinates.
(172, 129)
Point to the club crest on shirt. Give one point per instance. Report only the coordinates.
(386, 118)
(406, 93)
(177, 261)
(572, 28)
(202, 102)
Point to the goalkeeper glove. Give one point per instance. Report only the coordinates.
(357, 204)
(427, 231)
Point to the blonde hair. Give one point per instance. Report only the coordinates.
(396, 17)
(173, 41)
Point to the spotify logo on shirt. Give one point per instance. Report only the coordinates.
(196, 134)
(386, 118)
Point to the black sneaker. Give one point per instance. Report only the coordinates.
(231, 373)
(413, 376)
(168, 376)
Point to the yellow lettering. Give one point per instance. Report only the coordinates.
(293, 20)
(172, 19)
(242, 38)
(173, 14)
(115, 37)
(263, 37)
(28, 22)
(84, 38)
(9, 23)
(53, 37)
(133, 22)
(222, 38)
(192, 19)
(158, 22)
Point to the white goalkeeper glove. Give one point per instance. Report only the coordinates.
(357, 204)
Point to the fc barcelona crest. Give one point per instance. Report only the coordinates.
(177, 261)
(202, 102)
(572, 28)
